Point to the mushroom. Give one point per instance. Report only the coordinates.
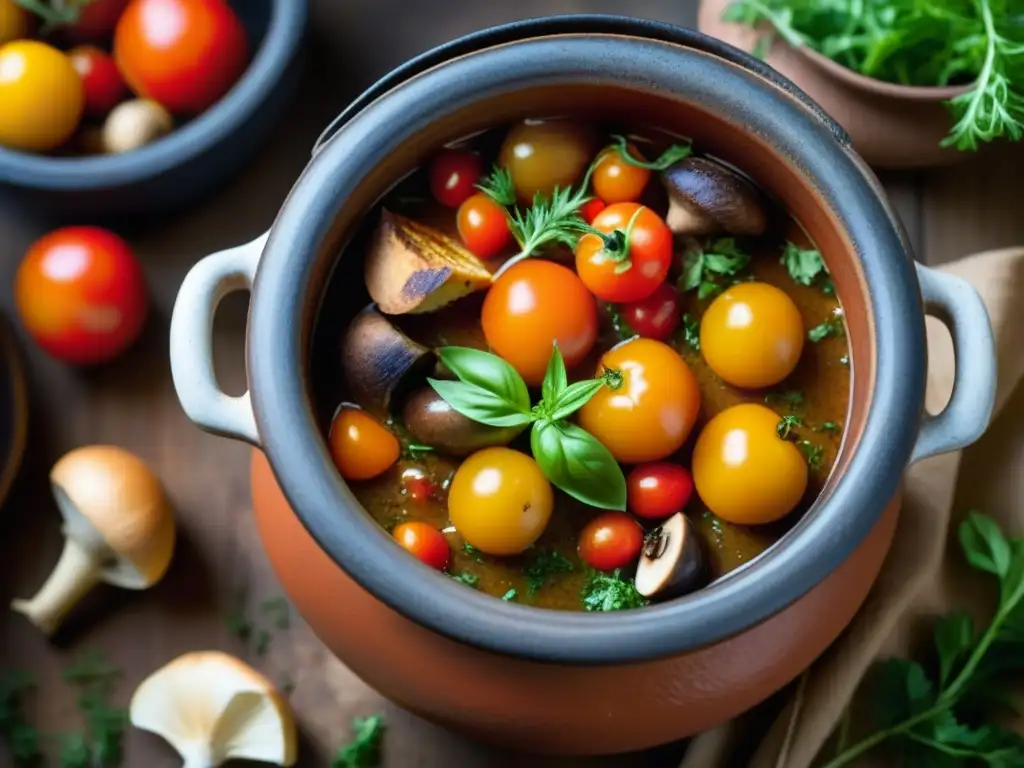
(376, 356)
(671, 562)
(432, 421)
(212, 708)
(133, 124)
(707, 198)
(118, 528)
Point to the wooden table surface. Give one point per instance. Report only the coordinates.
(948, 213)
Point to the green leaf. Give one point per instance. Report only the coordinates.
(786, 426)
(954, 637)
(693, 270)
(833, 327)
(467, 578)
(899, 689)
(984, 545)
(487, 371)
(610, 592)
(576, 462)
(803, 265)
(480, 404)
(814, 454)
(691, 331)
(364, 751)
(670, 156)
(543, 565)
(574, 397)
(556, 379)
(510, 595)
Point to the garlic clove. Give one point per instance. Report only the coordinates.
(133, 124)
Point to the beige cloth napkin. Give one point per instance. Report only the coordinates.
(924, 573)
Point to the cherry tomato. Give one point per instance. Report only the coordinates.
(655, 317)
(500, 501)
(590, 209)
(617, 181)
(454, 174)
(41, 96)
(81, 294)
(104, 86)
(425, 542)
(544, 154)
(96, 20)
(742, 469)
(184, 54)
(361, 446)
(15, 21)
(650, 414)
(609, 541)
(483, 226)
(418, 485)
(752, 335)
(634, 263)
(530, 307)
(658, 490)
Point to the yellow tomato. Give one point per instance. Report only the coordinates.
(41, 94)
(650, 414)
(500, 501)
(14, 21)
(752, 335)
(742, 469)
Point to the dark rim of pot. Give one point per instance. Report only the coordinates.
(289, 286)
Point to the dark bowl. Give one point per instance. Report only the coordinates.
(194, 159)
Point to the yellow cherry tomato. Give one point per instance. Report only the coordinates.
(41, 94)
(361, 446)
(752, 335)
(742, 469)
(500, 501)
(14, 21)
(650, 414)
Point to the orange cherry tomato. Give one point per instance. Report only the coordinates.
(633, 262)
(752, 335)
(104, 86)
(609, 541)
(425, 542)
(530, 307)
(742, 469)
(184, 54)
(650, 414)
(361, 446)
(41, 96)
(483, 226)
(617, 181)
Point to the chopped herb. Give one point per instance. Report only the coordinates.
(792, 398)
(814, 454)
(544, 565)
(237, 621)
(105, 725)
(499, 187)
(74, 751)
(609, 592)
(278, 610)
(705, 268)
(833, 327)
(412, 450)
(467, 578)
(828, 427)
(690, 330)
(364, 751)
(510, 595)
(619, 325)
(262, 642)
(805, 266)
(22, 739)
(473, 552)
(786, 426)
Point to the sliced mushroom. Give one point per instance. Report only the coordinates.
(376, 356)
(432, 421)
(708, 198)
(672, 561)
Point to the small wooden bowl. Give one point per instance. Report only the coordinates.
(892, 126)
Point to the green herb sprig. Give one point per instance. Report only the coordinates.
(670, 156)
(364, 751)
(784, 429)
(498, 186)
(543, 566)
(21, 737)
(706, 269)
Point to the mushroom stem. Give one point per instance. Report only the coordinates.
(199, 757)
(77, 572)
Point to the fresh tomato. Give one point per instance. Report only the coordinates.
(590, 209)
(633, 257)
(15, 21)
(649, 415)
(96, 20)
(41, 96)
(500, 501)
(544, 154)
(418, 485)
(655, 317)
(425, 542)
(184, 54)
(81, 294)
(361, 446)
(454, 174)
(530, 307)
(483, 226)
(658, 490)
(615, 180)
(611, 540)
(104, 86)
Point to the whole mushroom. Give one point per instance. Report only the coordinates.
(118, 528)
(708, 198)
(432, 421)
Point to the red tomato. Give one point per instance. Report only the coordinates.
(81, 294)
(454, 174)
(611, 540)
(631, 263)
(184, 54)
(483, 226)
(418, 485)
(425, 542)
(96, 20)
(590, 209)
(658, 490)
(655, 317)
(104, 86)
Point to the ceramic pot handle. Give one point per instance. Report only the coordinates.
(959, 307)
(204, 287)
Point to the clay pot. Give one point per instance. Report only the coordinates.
(562, 681)
(892, 126)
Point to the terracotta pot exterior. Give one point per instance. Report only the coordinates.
(549, 708)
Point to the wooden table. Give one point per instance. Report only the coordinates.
(948, 213)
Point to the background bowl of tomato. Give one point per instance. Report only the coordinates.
(224, 104)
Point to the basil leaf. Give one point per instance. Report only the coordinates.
(479, 404)
(574, 397)
(577, 463)
(487, 371)
(556, 379)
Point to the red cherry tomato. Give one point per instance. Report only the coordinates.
(425, 542)
(184, 54)
(96, 20)
(590, 209)
(101, 79)
(418, 484)
(611, 540)
(483, 226)
(658, 490)
(454, 174)
(81, 294)
(655, 317)
(634, 262)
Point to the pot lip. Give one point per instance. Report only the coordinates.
(277, 349)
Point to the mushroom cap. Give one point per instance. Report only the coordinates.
(432, 421)
(110, 498)
(672, 560)
(707, 198)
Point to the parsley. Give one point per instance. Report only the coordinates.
(622, 329)
(833, 327)
(236, 620)
(608, 592)
(828, 427)
(814, 454)
(691, 331)
(510, 595)
(499, 187)
(364, 751)
(473, 552)
(21, 738)
(705, 268)
(105, 725)
(806, 266)
(278, 611)
(467, 578)
(543, 566)
(786, 425)
(262, 643)
(790, 398)
(413, 450)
